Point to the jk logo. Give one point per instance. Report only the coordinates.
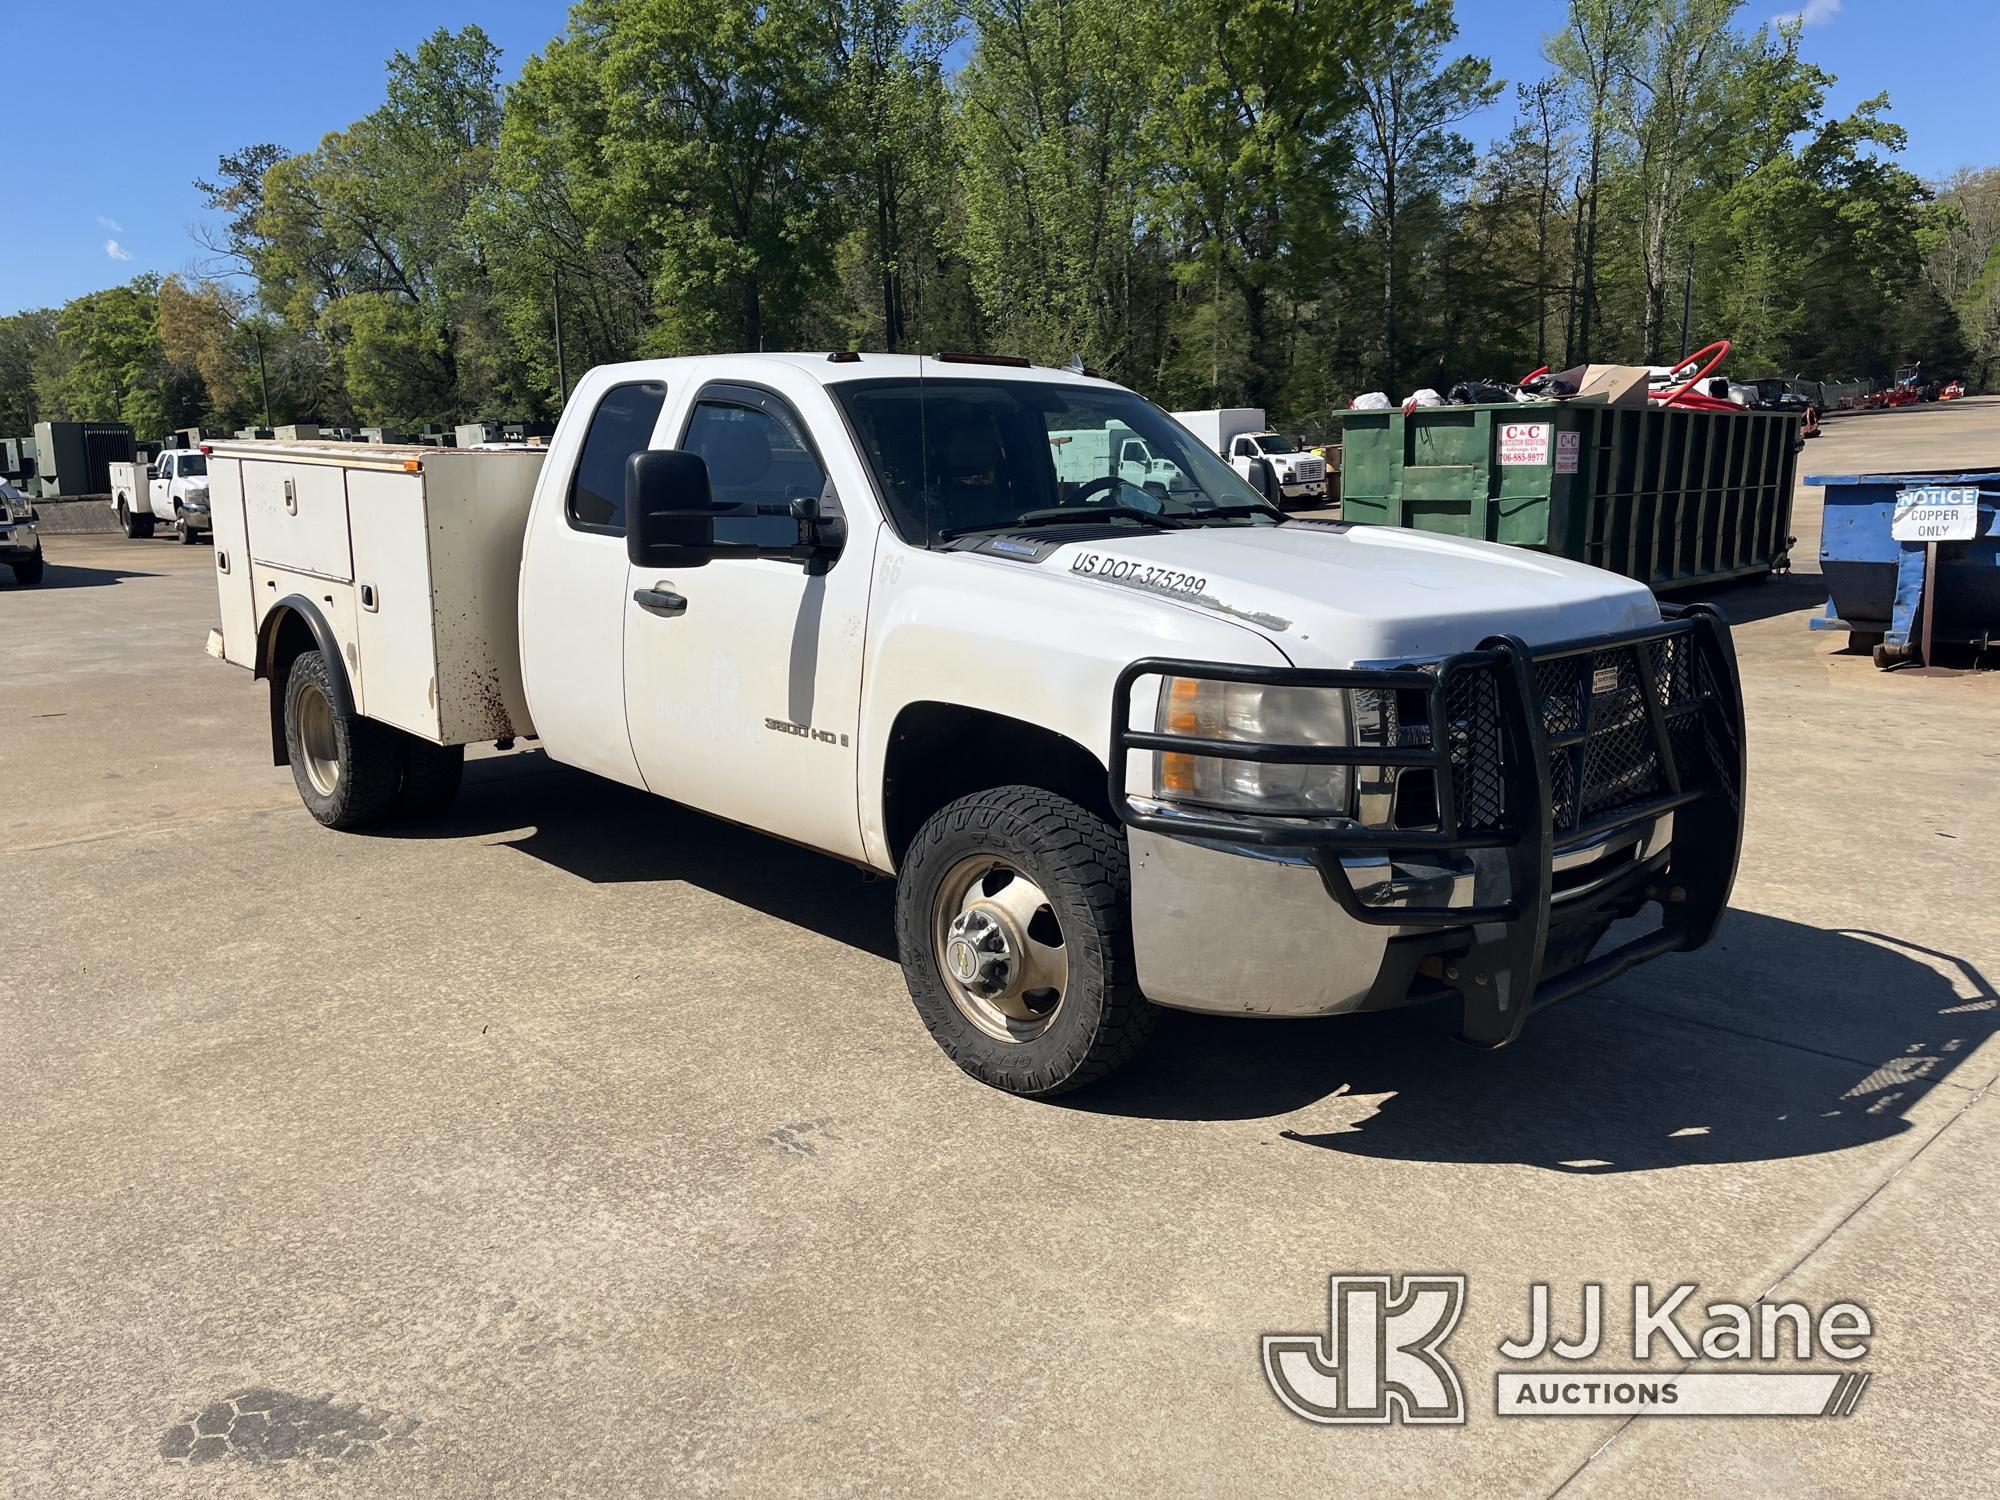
(1380, 1360)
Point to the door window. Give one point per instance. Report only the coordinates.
(621, 426)
(758, 463)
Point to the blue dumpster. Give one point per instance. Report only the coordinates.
(1877, 585)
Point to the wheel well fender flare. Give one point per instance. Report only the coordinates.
(278, 643)
(940, 751)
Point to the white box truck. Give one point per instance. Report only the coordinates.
(1119, 752)
(1282, 471)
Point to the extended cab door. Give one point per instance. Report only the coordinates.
(574, 594)
(746, 703)
(1243, 457)
(160, 489)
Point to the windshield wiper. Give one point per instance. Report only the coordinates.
(1205, 511)
(1070, 515)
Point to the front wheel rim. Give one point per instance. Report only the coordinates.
(319, 746)
(999, 948)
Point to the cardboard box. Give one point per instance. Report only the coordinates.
(1609, 385)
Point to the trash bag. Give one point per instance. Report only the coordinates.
(1479, 393)
(1548, 385)
(1370, 401)
(1424, 397)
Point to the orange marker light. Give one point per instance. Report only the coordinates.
(1176, 772)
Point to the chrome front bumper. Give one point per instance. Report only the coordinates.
(19, 540)
(1244, 929)
(1570, 786)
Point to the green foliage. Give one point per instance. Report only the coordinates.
(1264, 202)
(113, 366)
(29, 354)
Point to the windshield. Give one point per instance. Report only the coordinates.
(191, 463)
(954, 455)
(1271, 442)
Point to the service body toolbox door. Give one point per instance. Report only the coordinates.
(235, 592)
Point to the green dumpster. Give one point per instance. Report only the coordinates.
(1670, 496)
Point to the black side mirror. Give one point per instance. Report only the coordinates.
(669, 515)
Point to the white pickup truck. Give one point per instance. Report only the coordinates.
(1119, 751)
(173, 488)
(1083, 455)
(1275, 466)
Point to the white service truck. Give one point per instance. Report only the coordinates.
(1085, 453)
(1118, 753)
(1278, 468)
(173, 488)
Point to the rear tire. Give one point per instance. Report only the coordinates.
(348, 769)
(29, 573)
(136, 527)
(1041, 996)
(431, 774)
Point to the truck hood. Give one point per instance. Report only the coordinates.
(1331, 596)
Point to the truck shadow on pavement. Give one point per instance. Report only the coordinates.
(1765, 598)
(609, 834)
(1778, 1040)
(57, 575)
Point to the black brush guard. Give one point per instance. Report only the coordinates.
(1529, 758)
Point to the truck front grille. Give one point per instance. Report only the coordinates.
(1605, 752)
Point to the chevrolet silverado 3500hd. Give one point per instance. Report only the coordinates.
(1120, 749)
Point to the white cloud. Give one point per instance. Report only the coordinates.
(1812, 13)
(116, 251)
(104, 221)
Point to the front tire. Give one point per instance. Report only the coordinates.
(29, 573)
(189, 536)
(348, 769)
(1013, 920)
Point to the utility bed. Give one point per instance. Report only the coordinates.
(412, 555)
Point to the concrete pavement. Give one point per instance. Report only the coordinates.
(587, 1146)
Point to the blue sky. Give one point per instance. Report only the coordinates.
(97, 154)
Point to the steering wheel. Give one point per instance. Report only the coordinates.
(1109, 485)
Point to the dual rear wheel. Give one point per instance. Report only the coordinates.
(352, 771)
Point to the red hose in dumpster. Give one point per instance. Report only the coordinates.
(1686, 395)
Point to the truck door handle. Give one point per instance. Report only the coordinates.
(660, 602)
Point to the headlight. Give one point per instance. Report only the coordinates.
(1253, 714)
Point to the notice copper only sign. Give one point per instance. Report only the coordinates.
(1936, 513)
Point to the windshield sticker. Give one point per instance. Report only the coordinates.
(1189, 587)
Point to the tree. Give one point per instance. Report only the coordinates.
(1593, 54)
(892, 112)
(1409, 156)
(717, 141)
(1249, 150)
(237, 191)
(116, 369)
(1051, 103)
(29, 352)
(1679, 76)
(216, 331)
